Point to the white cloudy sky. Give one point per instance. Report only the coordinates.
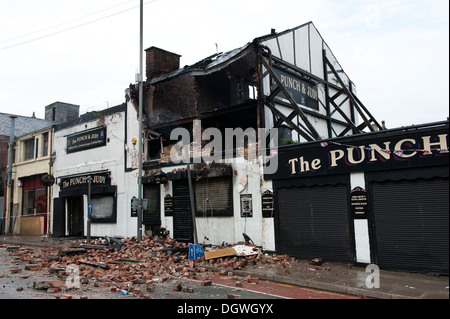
(86, 52)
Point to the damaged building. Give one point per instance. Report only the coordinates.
(288, 89)
(268, 140)
(290, 81)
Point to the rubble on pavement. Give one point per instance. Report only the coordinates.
(135, 266)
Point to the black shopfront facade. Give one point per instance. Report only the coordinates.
(403, 196)
(71, 207)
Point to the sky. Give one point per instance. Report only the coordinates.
(86, 52)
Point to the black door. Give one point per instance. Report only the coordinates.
(75, 213)
(314, 222)
(411, 224)
(59, 218)
(182, 215)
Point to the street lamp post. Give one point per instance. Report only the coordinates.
(141, 98)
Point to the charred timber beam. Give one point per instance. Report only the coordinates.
(288, 121)
(357, 103)
(298, 110)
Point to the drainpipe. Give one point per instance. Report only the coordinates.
(141, 112)
(50, 189)
(10, 160)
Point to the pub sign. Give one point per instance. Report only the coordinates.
(86, 140)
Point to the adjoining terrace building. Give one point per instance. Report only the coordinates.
(94, 149)
(27, 204)
(290, 81)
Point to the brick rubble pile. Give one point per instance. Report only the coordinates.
(129, 264)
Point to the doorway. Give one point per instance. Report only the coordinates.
(75, 216)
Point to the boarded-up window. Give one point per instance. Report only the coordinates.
(103, 208)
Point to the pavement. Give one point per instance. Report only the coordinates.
(332, 277)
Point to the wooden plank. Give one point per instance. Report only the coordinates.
(217, 253)
(95, 264)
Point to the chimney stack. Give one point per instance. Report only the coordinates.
(60, 112)
(160, 62)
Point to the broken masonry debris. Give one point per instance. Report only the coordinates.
(128, 264)
(316, 261)
(73, 251)
(248, 240)
(46, 284)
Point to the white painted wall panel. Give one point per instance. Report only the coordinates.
(316, 52)
(286, 43)
(302, 49)
(272, 44)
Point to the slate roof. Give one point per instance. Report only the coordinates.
(23, 126)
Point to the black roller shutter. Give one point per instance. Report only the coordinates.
(314, 222)
(411, 224)
(182, 215)
(213, 197)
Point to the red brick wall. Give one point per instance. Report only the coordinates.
(172, 100)
(159, 62)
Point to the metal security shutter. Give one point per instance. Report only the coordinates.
(411, 224)
(152, 215)
(314, 222)
(213, 197)
(182, 215)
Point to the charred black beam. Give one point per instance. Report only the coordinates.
(298, 110)
(289, 122)
(342, 113)
(357, 103)
(359, 129)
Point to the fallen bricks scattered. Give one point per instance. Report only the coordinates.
(102, 265)
(48, 284)
(32, 267)
(135, 266)
(73, 251)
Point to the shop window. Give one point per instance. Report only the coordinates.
(28, 200)
(34, 202)
(213, 197)
(40, 201)
(103, 208)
